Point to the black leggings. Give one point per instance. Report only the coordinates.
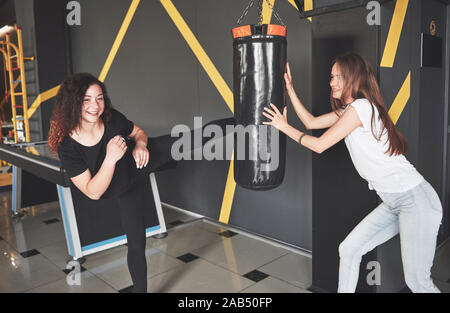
(131, 200)
(131, 207)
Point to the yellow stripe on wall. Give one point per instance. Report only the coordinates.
(293, 4)
(398, 18)
(308, 6)
(267, 11)
(44, 96)
(401, 99)
(228, 196)
(220, 85)
(201, 55)
(122, 31)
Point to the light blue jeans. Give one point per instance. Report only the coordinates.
(416, 214)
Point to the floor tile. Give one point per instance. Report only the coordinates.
(198, 276)
(240, 254)
(293, 268)
(51, 221)
(113, 268)
(88, 283)
(184, 240)
(210, 227)
(24, 238)
(273, 285)
(23, 274)
(57, 253)
(188, 257)
(29, 253)
(256, 275)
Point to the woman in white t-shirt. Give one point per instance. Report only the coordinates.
(410, 205)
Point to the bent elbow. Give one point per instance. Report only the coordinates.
(93, 197)
(319, 150)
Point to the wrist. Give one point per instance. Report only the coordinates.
(109, 161)
(141, 143)
(285, 128)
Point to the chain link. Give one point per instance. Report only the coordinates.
(245, 12)
(260, 9)
(260, 16)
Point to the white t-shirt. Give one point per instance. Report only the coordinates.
(383, 172)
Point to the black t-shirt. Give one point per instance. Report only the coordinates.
(76, 158)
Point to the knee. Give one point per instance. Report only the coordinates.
(345, 249)
(348, 251)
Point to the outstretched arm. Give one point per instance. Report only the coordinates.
(344, 126)
(309, 120)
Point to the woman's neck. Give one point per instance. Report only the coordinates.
(87, 132)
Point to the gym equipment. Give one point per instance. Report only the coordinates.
(259, 58)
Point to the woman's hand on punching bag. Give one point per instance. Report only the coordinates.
(115, 149)
(277, 120)
(288, 80)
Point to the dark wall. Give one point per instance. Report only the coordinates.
(50, 20)
(157, 82)
(7, 13)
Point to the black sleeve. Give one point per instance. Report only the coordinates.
(120, 123)
(71, 159)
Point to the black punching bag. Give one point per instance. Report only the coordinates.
(259, 58)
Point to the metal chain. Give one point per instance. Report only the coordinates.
(260, 17)
(260, 9)
(245, 12)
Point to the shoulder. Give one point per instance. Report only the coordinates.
(67, 148)
(362, 103)
(117, 117)
(362, 107)
(119, 123)
(65, 145)
(364, 110)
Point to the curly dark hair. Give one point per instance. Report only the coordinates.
(67, 109)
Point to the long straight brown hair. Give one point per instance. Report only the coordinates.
(360, 82)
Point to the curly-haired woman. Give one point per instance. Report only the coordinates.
(410, 205)
(90, 139)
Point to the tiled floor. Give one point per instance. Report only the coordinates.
(197, 256)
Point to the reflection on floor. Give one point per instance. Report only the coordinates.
(196, 256)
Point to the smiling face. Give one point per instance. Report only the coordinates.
(93, 104)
